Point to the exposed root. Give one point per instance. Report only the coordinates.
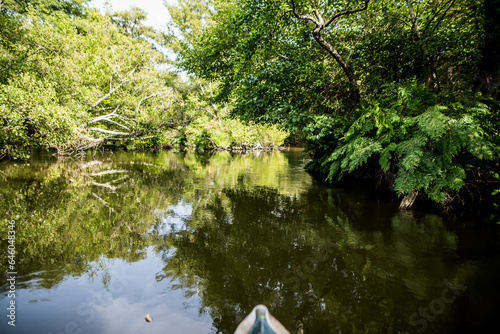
(408, 200)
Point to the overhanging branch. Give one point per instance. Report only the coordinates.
(110, 132)
(301, 15)
(113, 89)
(347, 12)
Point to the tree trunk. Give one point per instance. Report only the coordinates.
(408, 200)
(320, 25)
(423, 46)
(488, 81)
(353, 89)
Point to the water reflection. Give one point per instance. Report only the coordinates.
(198, 241)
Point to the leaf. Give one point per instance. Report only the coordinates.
(411, 152)
(362, 149)
(433, 123)
(386, 156)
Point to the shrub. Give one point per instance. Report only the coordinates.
(427, 147)
(232, 133)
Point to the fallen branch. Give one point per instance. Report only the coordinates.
(105, 185)
(133, 138)
(110, 132)
(112, 89)
(144, 99)
(90, 164)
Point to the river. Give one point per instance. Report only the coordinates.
(197, 241)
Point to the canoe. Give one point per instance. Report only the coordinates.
(260, 321)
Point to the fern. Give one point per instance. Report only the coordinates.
(386, 156)
(411, 152)
(421, 146)
(433, 123)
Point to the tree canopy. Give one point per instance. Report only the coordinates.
(404, 93)
(71, 83)
(74, 80)
(399, 91)
(71, 7)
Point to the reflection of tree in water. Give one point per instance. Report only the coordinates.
(327, 259)
(71, 214)
(307, 262)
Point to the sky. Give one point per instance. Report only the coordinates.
(157, 13)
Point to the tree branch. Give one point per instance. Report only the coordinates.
(302, 16)
(347, 12)
(109, 132)
(106, 204)
(413, 18)
(285, 57)
(115, 123)
(90, 164)
(144, 99)
(106, 185)
(397, 18)
(111, 171)
(109, 117)
(113, 89)
(451, 2)
(133, 138)
(442, 16)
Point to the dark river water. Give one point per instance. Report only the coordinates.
(197, 241)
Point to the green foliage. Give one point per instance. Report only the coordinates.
(230, 133)
(423, 149)
(415, 65)
(71, 7)
(34, 115)
(189, 17)
(131, 23)
(74, 83)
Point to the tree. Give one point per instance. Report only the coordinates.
(131, 23)
(71, 7)
(320, 25)
(489, 69)
(286, 62)
(76, 83)
(189, 17)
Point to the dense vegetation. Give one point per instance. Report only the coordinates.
(404, 94)
(401, 92)
(72, 79)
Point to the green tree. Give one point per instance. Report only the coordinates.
(211, 126)
(321, 23)
(131, 23)
(75, 83)
(71, 7)
(302, 64)
(189, 17)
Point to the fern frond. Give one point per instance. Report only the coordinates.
(386, 156)
(362, 149)
(433, 123)
(361, 126)
(411, 152)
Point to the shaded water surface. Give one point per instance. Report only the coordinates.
(197, 241)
